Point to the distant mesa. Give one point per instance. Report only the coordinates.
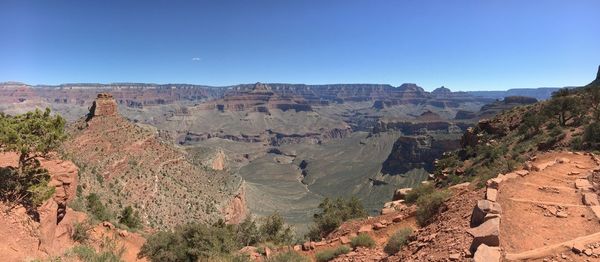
(259, 98)
(441, 91)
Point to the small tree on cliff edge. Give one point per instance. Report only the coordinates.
(30, 135)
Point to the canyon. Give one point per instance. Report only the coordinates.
(269, 147)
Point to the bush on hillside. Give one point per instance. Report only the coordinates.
(563, 107)
(189, 242)
(362, 240)
(329, 254)
(97, 208)
(130, 218)
(289, 256)
(109, 252)
(418, 191)
(247, 233)
(216, 242)
(333, 214)
(429, 205)
(531, 124)
(81, 232)
(591, 135)
(397, 241)
(273, 229)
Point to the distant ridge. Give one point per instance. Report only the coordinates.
(541, 93)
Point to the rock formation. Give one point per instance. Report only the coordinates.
(53, 213)
(218, 163)
(160, 180)
(410, 152)
(104, 105)
(259, 98)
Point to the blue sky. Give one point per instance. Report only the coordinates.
(464, 45)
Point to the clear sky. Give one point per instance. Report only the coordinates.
(464, 45)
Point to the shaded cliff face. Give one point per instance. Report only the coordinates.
(127, 165)
(416, 152)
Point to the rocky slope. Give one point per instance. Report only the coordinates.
(49, 236)
(127, 164)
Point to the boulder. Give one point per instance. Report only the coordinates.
(596, 211)
(398, 218)
(454, 257)
(486, 233)
(590, 199)
(494, 182)
(491, 194)
(483, 208)
(387, 210)
(365, 228)
(344, 240)
(583, 184)
(522, 172)
(542, 166)
(401, 193)
(486, 253)
(397, 204)
(378, 226)
(308, 246)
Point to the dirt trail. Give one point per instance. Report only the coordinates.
(544, 209)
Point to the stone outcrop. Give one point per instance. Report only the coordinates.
(218, 163)
(104, 105)
(486, 253)
(410, 152)
(487, 233)
(237, 210)
(53, 214)
(63, 176)
(401, 193)
(482, 209)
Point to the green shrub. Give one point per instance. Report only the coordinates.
(428, 206)
(273, 229)
(397, 241)
(97, 208)
(80, 232)
(330, 254)
(591, 134)
(417, 192)
(189, 242)
(40, 192)
(108, 252)
(333, 214)
(130, 218)
(289, 256)
(30, 135)
(247, 233)
(362, 240)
